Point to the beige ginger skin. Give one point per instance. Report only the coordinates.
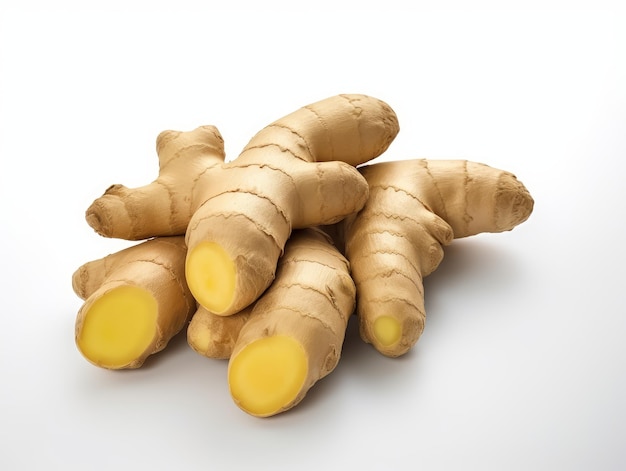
(214, 336)
(415, 208)
(297, 172)
(136, 300)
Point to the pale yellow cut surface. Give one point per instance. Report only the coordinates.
(211, 276)
(387, 330)
(268, 374)
(118, 327)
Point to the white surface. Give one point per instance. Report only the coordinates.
(522, 362)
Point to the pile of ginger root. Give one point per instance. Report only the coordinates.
(263, 259)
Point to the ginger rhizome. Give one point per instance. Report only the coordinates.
(415, 208)
(292, 336)
(214, 336)
(295, 332)
(165, 206)
(297, 172)
(136, 300)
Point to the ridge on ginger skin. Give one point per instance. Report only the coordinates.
(297, 172)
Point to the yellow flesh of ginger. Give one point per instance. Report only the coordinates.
(118, 327)
(387, 330)
(268, 374)
(211, 276)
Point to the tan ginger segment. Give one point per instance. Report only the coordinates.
(390, 251)
(136, 300)
(295, 332)
(285, 178)
(163, 207)
(415, 208)
(472, 197)
(261, 214)
(348, 128)
(214, 336)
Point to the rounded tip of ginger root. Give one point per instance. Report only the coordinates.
(95, 221)
(97, 218)
(198, 337)
(378, 125)
(514, 204)
(108, 215)
(203, 139)
(79, 280)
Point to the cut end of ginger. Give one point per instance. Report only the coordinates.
(118, 327)
(387, 330)
(211, 276)
(267, 375)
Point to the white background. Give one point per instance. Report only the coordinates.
(523, 359)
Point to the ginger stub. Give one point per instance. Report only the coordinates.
(214, 336)
(118, 326)
(136, 300)
(295, 332)
(415, 208)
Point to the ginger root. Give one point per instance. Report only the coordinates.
(294, 334)
(415, 208)
(165, 206)
(214, 336)
(136, 300)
